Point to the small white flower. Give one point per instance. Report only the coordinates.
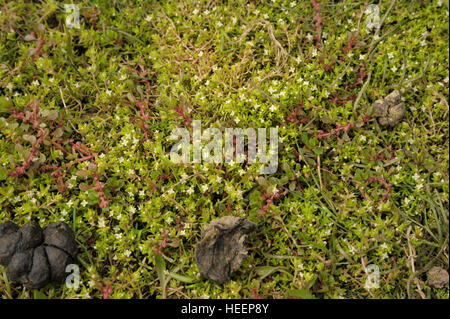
(274, 189)
(101, 222)
(190, 190)
(204, 188)
(84, 203)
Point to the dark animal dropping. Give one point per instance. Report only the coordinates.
(390, 110)
(34, 256)
(221, 250)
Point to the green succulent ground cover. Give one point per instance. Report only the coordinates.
(86, 115)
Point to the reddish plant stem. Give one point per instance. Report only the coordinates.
(163, 243)
(79, 160)
(82, 148)
(381, 156)
(98, 187)
(349, 46)
(269, 201)
(335, 99)
(255, 294)
(340, 128)
(40, 45)
(296, 117)
(318, 21)
(143, 108)
(143, 74)
(107, 291)
(32, 117)
(166, 176)
(19, 171)
(187, 119)
(329, 67)
(359, 80)
(382, 182)
(57, 145)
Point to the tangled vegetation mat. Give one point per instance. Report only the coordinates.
(358, 206)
